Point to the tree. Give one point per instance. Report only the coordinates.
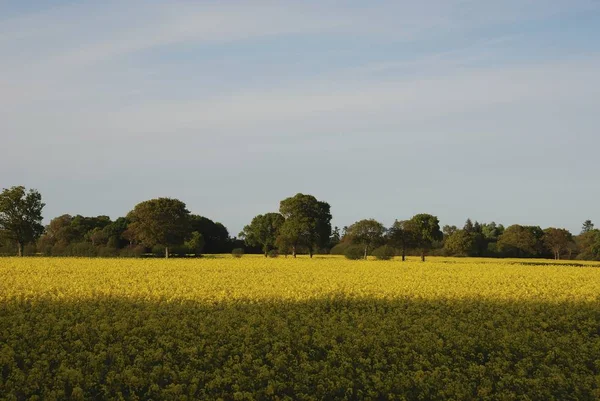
(588, 244)
(335, 238)
(21, 216)
(557, 240)
(425, 229)
(587, 226)
(448, 230)
(522, 241)
(491, 231)
(401, 237)
(307, 222)
(195, 243)
(263, 231)
(367, 233)
(215, 235)
(114, 233)
(162, 221)
(459, 243)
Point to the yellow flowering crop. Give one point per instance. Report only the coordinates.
(298, 329)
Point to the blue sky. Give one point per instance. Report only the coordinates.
(459, 108)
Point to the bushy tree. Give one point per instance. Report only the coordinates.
(307, 223)
(384, 252)
(354, 252)
(195, 243)
(459, 243)
(216, 237)
(401, 237)
(425, 230)
(368, 233)
(21, 216)
(588, 245)
(263, 231)
(522, 241)
(557, 240)
(162, 221)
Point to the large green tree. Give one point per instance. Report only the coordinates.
(401, 237)
(215, 235)
(161, 221)
(263, 231)
(588, 244)
(557, 240)
(459, 243)
(368, 233)
(21, 216)
(307, 223)
(522, 241)
(425, 229)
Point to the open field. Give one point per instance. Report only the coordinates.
(327, 328)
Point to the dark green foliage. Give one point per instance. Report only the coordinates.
(367, 233)
(162, 221)
(459, 243)
(263, 231)
(307, 223)
(401, 236)
(340, 249)
(20, 216)
(273, 253)
(215, 235)
(522, 241)
(587, 226)
(194, 244)
(384, 252)
(424, 230)
(237, 252)
(354, 252)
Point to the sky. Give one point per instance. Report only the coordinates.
(488, 110)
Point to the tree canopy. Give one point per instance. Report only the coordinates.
(263, 231)
(425, 229)
(161, 221)
(307, 223)
(368, 233)
(21, 216)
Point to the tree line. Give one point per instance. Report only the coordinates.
(165, 227)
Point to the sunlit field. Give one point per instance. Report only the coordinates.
(298, 329)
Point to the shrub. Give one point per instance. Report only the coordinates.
(354, 252)
(385, 252)
(132, 252)
(273, 253)
(107, 252)
(339, 249)
(84, 249)
(237, 253)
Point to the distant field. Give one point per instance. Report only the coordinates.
(298, 329)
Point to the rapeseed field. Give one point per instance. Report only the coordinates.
(298, 329)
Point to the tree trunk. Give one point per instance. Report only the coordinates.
(20, 249)
(166, 252)
(403, 254)
(294, 251)
(366, 248)
(423, 255)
